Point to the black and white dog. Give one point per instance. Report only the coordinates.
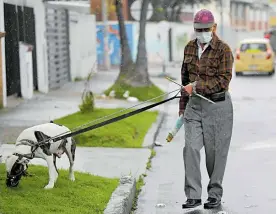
(26, 149)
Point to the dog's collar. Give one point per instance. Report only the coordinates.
(26, 142)
(30, 143)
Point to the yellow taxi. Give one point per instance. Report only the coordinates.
(254, 56)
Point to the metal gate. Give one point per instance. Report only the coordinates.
(19, 26)
(12, 50)
(57, 34)
(27, 33)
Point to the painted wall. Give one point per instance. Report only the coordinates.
(114, 42)
(42, 66)
(158, 41)
(83, 58)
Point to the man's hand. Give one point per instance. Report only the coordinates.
(188, 88)
(181, 113)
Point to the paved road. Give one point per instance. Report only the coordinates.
(250, 181)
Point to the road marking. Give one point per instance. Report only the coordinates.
(260, 146)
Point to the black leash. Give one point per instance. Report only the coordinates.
(95, 126)
(115, 119)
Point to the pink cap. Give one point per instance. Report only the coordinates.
(203, 19)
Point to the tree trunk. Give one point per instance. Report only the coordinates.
(127, 64)
(141, 69)
(173, 11)
(177, 17)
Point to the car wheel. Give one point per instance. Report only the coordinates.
(271, 73)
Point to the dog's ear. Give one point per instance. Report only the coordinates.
(40, 136)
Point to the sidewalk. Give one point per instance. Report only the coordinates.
(58, 103)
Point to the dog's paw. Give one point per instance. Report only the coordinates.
(49, 186)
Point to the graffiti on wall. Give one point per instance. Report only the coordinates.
(114, 43)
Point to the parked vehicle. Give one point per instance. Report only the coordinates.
(254, 56)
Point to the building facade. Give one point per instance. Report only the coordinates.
(240, 15)
(250, 15)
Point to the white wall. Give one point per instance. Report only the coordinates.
(156, 42)
(181, 35)
(83, 58)
(42, 66)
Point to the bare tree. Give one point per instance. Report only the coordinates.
(134, 74)
(141, 70)
(127, 64)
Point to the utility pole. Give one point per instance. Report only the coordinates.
(107, 64)
(222, 20)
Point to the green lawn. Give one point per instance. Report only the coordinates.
(142, 93)
(87, 194)
(126, 133)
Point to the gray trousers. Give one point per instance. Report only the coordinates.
(209, 125)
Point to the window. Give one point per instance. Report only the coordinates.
(253, 46)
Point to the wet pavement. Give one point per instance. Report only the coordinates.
(250, 177)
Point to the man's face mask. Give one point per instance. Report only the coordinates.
(205, 35)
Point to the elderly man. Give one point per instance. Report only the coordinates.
(206, 70)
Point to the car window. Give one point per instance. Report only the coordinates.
(253, 46)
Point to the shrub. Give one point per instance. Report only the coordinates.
(87, 102)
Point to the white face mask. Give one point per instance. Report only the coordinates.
(204, 37)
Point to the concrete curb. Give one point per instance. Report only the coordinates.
(121, 201)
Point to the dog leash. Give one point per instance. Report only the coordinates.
(123, 110)
(80, 129)
(115, 119)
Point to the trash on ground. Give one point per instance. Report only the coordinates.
(161, 205)
(251, 206)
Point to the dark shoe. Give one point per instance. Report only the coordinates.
(212, 203)
(191, 203)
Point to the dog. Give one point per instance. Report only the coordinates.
(27, 148)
